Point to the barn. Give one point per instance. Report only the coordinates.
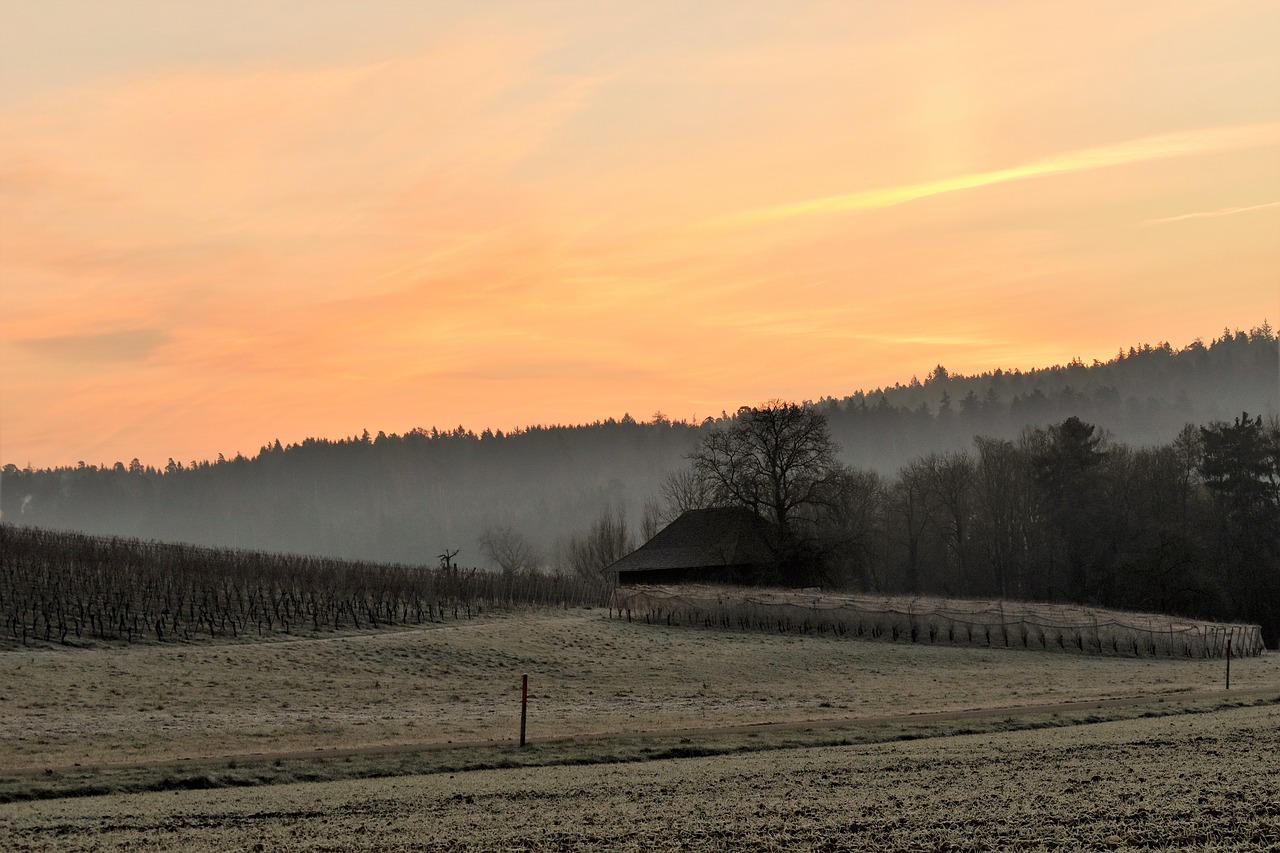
(719, 545)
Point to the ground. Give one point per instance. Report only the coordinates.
(771, 742)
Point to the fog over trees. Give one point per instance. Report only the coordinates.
(1064, 513)
(940, 479)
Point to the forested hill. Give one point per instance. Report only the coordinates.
(409, 497)
(1142, 397)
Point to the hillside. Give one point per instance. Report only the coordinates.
(406, 498)
(1142, 397)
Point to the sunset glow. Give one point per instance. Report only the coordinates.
(223, 223)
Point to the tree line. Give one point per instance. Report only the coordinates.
(406, 497)
(1063, 513)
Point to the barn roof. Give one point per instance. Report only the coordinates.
(721, 536)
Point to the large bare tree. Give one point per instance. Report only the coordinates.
(776, 459)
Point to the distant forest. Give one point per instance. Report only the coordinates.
(407, 498)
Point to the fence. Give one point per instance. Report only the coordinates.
(1011, 624)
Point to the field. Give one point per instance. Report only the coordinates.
(1206, 782)
(769, 739)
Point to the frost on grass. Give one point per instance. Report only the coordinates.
(1204, 782)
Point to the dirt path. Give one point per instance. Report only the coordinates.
(1167, 701)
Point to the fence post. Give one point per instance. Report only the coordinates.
(524, 705)
(1228, 663)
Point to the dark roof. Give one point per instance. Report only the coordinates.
(723, 536)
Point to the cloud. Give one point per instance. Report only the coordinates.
(1208, 214)
(1143, 149)
(88, 349)
(563, 369)
(278, 218)
(513, 218)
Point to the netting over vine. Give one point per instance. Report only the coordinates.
(1012, 624)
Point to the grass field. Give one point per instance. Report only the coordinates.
(420, 706)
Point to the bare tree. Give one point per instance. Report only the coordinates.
(652, 519)
(1003, 494)
(851, 527)
(777, 459)
(608, 540)
(685, 490)
(509, 549)
(950, 478)
(911, 505)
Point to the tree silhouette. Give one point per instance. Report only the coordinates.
(777, 460)
(608, 540)
(1241, 470)
(509, 549)
(1068, 469)
(849, 530)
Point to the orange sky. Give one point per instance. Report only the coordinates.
(223, 223)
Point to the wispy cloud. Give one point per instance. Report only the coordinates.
(1143, 149)
(1209, 214)
(87, 349)
(413, 214)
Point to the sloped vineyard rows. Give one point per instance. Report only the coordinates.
(1008, 624)
(66, 587)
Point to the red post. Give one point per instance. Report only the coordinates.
(524, 705)
(1228, 663)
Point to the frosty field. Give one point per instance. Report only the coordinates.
(1203, 782)
(793, 743)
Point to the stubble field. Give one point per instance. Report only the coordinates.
(418, 707)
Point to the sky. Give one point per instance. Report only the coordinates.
(225, 223)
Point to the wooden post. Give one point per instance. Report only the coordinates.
(524, 705)
(1228, 664)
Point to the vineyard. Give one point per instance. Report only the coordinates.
(1010, 624)
(72, 588)
(66, 588)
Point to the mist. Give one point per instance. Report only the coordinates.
(409, 497)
